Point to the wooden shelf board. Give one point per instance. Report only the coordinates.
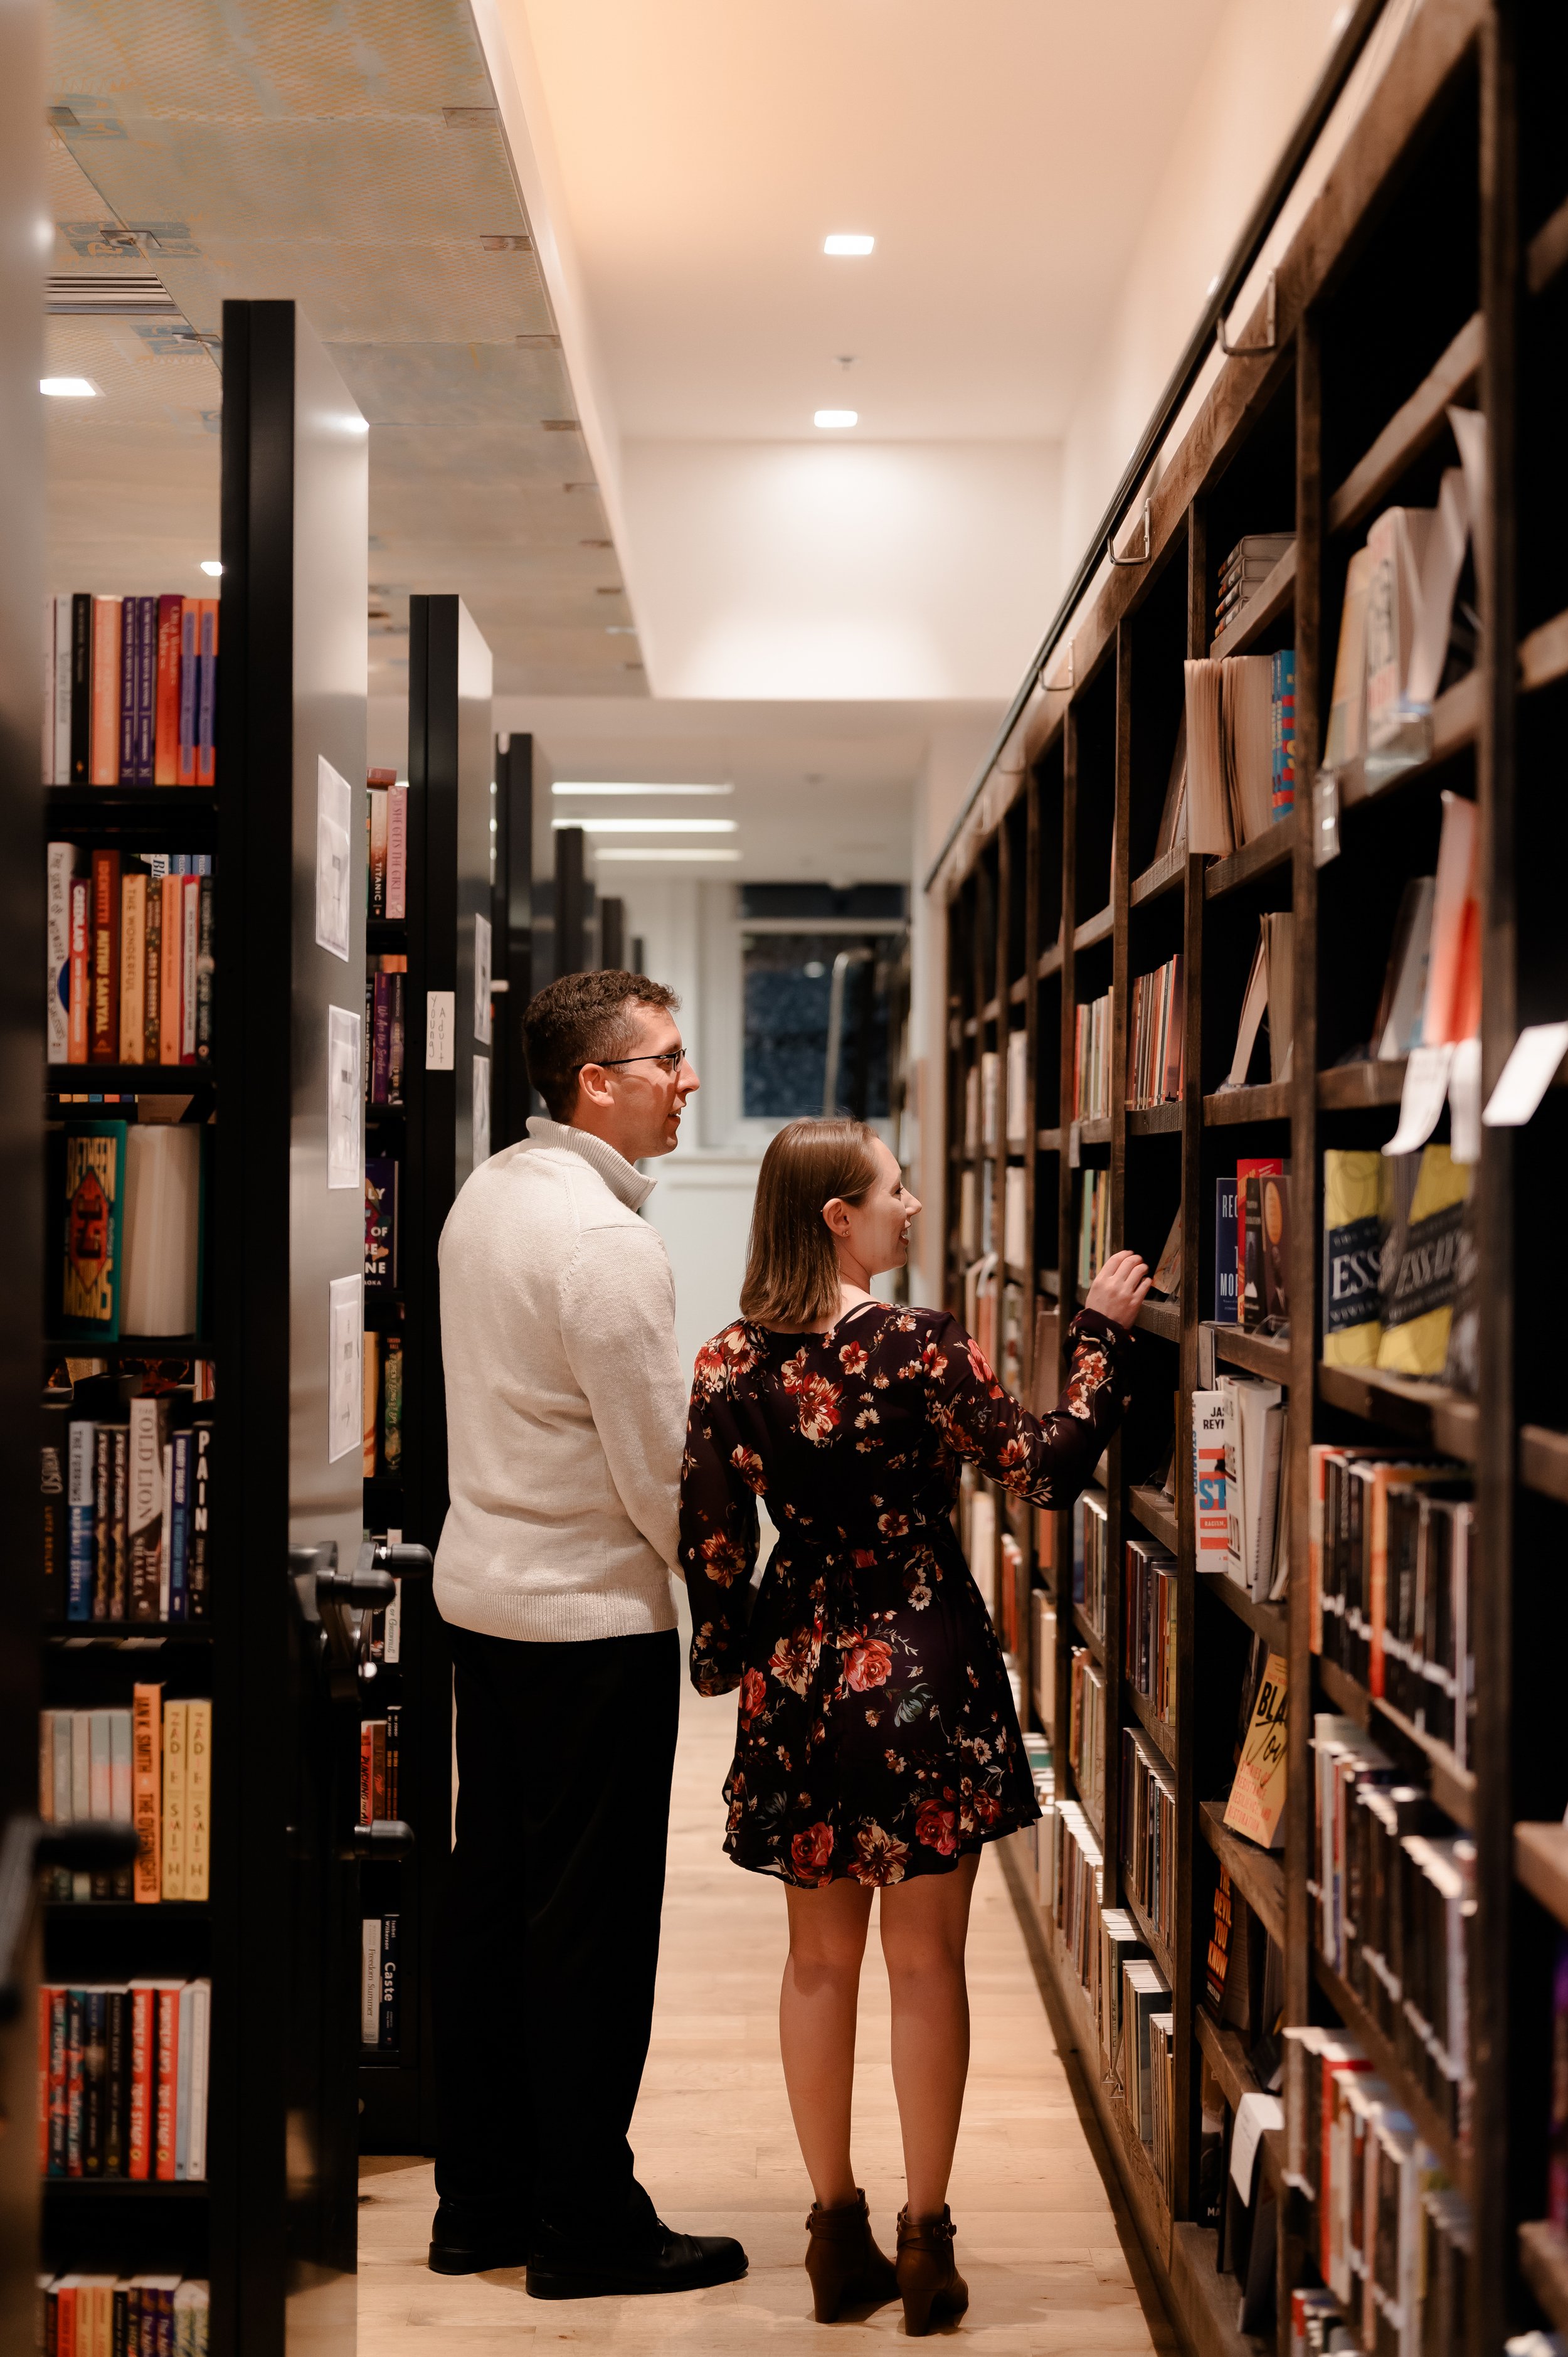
(1089, 1811)
(1148, 1934)
(128, 1079)
(1452, 1787)
(1269, 1621)
(1540, 1863)
(1455, 724)
(1412, 428)
(1226, 1107)
(1163, 875)
(1429, 2121)
(1257, 1873)
(1544, 2263)
(1547, 251)
(1154, 1509)
(1544, 655)
(1429, 1413)
(1153, 1121)
(1161, 1317)
(115, 1632)
(969, 1026)
(126, 2189)
(118, 802)
(991, 1011)
(1050, 962)
(1160, 1731)
(1096, 1132)
(1259, 857)
(1353, 1088)
(1207, 2297)
(1093, 929)
(1543, 1460)
(1017, 991)
(1049, 1141)
(1260, 1354)
(1085, 1630)
(1227, 2058)
(1275, 593)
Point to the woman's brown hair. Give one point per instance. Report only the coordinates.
(791, 1267)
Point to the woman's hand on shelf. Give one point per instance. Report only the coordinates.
(1120, 1287)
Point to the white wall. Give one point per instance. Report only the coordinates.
(830, 570)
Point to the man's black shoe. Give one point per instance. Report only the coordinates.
(467, 2237)
(670, 2262)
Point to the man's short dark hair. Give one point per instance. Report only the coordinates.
(581, 1019)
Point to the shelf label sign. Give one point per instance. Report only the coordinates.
(345, 1099)
(345, 1366)
(334, 843)
(440, 1029)
(482, 982)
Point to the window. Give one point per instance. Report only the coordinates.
(817, 968)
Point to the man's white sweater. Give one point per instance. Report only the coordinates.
(565, 1403)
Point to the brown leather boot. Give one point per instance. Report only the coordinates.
(842, 2260)
(931, 2285)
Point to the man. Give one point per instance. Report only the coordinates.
(565, 1411)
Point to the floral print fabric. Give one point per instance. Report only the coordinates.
(876, 1738)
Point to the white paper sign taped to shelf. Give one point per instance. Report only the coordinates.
(1425, 1088)
(345, 1099)
(481, 1110)
(440, 1029)
(1525, 1077)
(482, 982)
(345, 1366)
(334, 839)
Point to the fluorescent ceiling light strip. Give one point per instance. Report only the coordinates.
(577, 786)
(650, 825)
(848, 241)
(650, 851)
(831, 417)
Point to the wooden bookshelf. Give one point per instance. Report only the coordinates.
(1341, 413)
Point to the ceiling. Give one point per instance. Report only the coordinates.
(348, 156)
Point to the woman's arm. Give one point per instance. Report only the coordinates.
(1045, 1458)
(720, 1479)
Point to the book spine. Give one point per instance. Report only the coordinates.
(139, 2110)
(189, 668)
(387, 2024)
(48, 749)
(204, 971)
(146, 1787)
(133, 967)
(92, 2066)
(165, 1551)
(396, 1037)
(75, 2056)
(128, 667)
(104, 1040)
(397, 852)
(167, 2086)
(369, 1979)
(57, 995)
(179, 1528)
(103, 1519)
(200, 1508)
(196, 2165)
(146, 1508)
(56, 2008)
(198, 1802)
(380, 1040)
(56, 1523)
(376, 817)
(119, 1479)
(207, 697)
(80, 1506)
(116, 2056)
(190, 939)
(78, 989)
(391, 1408)
(64, 609)
(152, 970)
(170, 977)
(82, 689)
(147, 689)
(367, 1773)
(166, 693)
(176, 1718)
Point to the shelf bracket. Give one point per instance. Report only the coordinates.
(1271, 333)
(1058, 686)
(1148, 548)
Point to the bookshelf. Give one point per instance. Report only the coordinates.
(1451, 186)
(512, 919)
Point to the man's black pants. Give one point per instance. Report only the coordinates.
(548, 1951)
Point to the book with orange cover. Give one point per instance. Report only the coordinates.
(146, 1791)
(166, 2124)
(79, 993)
(133, 967)
(171, 1007)
(144, 2060)
(103, 757)
(103, 1034)
(165, 694)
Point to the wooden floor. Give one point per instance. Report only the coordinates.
(1051, 2267)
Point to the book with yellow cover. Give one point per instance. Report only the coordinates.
(177, 1723)
(1256, 1806)
(198, 1802)
(1421, 1268)
(1355, 1203)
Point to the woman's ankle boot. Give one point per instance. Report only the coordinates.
(932, 2290)
(842, 2260)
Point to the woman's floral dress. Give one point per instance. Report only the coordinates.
(877, 1737)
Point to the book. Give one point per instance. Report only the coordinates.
(376, 874)
(1213, 1453)
(387, 2028)
(78, 995)
(80, 689)
(397, 851)
(1396, 1028)
(103, 753)
(201, 1515)
(132, 965)
(1451, 1009)
(1256, 1806)
(1282, 763)
(206, 939)
(1226, 1249)
(146, 1504)
(381, 1223)
(1346, 740)
(162, 1228)
(1247, 1166)
(93, 1184)
(176, 1800)
(166, 695)
(57, 987)
(144, 740)
(1252, 1477)
(189, 937)
(371, 1371)
(392, 1406)
(370, 1980)
(207, 694)
(1420, 1268)
(171, 994)
(1353, 1209)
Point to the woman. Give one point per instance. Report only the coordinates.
(878, 1747)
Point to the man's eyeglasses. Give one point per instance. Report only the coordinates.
(671, 1058)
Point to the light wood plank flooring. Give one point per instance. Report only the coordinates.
(1052, 2268)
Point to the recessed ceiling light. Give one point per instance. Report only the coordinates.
(836, 418)
(652, 825)
(652, 851)
(212, 564)
(844, 242)
(567, 786)
(68, 388)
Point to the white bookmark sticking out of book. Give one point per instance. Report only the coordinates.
(1525, 1077)
(1465, 1101)
(1425, 1089)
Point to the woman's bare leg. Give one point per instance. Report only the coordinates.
(924, 1925)
(816, 2028)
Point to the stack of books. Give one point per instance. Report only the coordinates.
(130, 690)
(1148, 1831)
(131, 957)
(1092, 1060)
(1155, 1051)
(1086, 1730)
(126, 1513)
(1244, 572)
(125, 2316)
(1149, 1625)
(123, 2076)
(386, 818)
(150, 1767)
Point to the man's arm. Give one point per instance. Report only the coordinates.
(618, 1323)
